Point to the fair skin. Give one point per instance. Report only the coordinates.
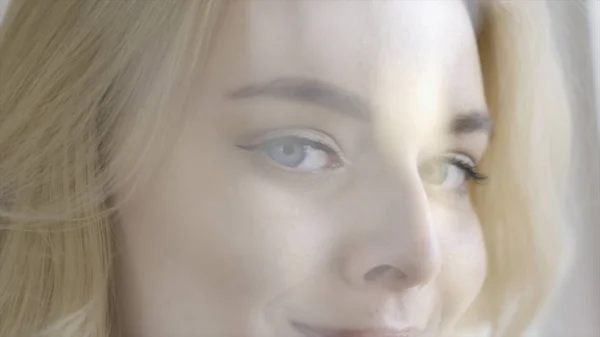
(287, 208)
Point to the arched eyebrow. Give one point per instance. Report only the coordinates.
(315, 92)
(345, 102)
(476, 121)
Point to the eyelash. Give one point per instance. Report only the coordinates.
(471, 170)
(312, 138)
(316, 144)
(305, 140)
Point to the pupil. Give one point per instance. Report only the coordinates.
(288, 149)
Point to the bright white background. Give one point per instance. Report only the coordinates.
(576, 308)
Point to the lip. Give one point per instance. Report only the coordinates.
(312, 331)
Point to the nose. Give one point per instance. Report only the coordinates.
(398, 247)
(394, 267)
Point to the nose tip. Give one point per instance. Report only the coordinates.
(385, 275)
(392, 277)
(394, 272)
(384, 271)
(393, 243)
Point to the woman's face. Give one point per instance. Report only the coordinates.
(318, 188)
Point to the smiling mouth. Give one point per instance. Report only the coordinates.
(312, 331)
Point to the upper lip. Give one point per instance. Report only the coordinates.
(313, 331)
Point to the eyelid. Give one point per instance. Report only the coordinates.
(311, 134)
(457, 155)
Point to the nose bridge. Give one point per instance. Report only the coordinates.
(413, 243)
(410, 100)
(399, 249)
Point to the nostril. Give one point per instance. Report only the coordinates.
(384, 271)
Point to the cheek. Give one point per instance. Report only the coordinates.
(465, 262)
(209, 233)
(237, 233)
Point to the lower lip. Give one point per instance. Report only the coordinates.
(310, 331)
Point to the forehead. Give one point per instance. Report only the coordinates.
(414, 61)
(346, 42)
(416, 48)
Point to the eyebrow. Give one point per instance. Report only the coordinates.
(337, 99)
(314, 92)
(477, 121)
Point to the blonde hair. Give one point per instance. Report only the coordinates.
(72, 72)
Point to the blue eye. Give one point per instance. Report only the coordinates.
(299, 153)
(288, 152)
